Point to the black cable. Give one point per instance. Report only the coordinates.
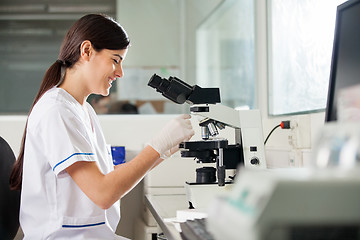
(271, 133)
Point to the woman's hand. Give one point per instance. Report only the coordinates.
(176, 131)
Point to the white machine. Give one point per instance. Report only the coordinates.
(289, 204)
(246, 124)
(246, 149)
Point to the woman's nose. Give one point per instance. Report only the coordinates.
(119, 73)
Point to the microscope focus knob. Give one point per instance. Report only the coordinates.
(255, 161)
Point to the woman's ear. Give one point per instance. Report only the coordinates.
(86, 50)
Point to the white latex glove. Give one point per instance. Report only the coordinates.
(176, 131)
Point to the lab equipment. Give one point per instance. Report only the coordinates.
(345, 69)
(348, 104)
(195, 230)
(179, 91)
(320, 202)
(248, 147)
(338, 146)
(118, 154)
(288, 204)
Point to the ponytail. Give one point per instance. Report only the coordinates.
(52, 77)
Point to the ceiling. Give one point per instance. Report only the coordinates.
(38, 26)
(54, 9)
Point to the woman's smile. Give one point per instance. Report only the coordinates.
(110, 80)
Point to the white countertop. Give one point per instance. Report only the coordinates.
(163, 208)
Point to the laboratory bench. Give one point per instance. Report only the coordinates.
(164, 208)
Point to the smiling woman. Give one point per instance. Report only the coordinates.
(70, 188)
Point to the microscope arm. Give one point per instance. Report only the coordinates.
(226, 115)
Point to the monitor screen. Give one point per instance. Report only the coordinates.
(345, 64)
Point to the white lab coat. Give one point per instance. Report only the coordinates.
(59, 133)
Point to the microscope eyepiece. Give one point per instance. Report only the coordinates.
(180, 92)
(155, 81)
(172, 88)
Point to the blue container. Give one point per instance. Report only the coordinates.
(118, 154)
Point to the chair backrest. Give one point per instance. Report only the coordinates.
(9, 200)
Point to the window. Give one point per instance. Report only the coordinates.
(225, 53)
(300, 47)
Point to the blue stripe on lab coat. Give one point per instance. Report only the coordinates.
(70, 157)
(81, 226)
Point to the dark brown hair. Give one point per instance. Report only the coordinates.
(103, 33)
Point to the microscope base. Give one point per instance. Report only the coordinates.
(199, 195)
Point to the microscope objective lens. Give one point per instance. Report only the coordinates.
(212, 129)
(204, 133)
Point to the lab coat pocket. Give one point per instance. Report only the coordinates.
(83, 222)
(79, 228)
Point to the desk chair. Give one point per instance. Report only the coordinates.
(9, 200)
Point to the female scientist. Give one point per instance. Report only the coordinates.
(69, 187)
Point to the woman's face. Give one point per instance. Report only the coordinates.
(105, 67)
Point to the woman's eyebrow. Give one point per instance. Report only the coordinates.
(121, 58)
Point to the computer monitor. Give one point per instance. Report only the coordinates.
(345, 64)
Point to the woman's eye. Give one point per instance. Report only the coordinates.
(116, 61)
